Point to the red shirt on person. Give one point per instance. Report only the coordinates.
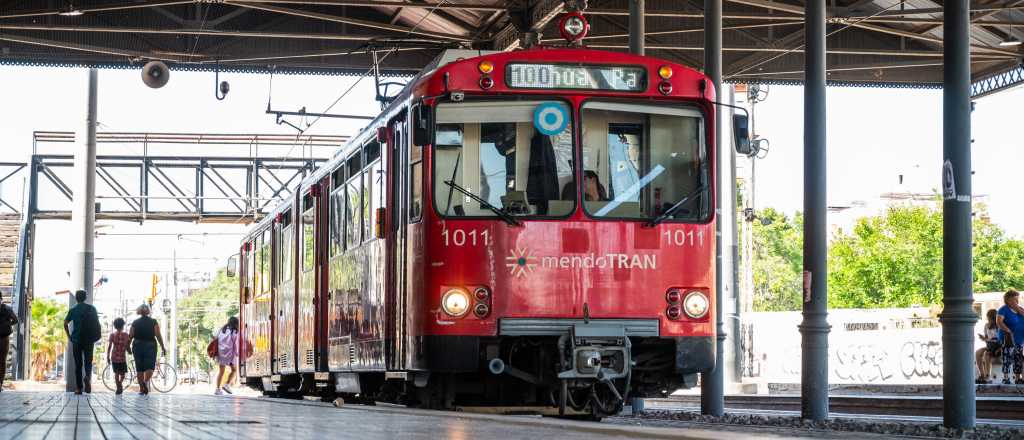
(118, 345)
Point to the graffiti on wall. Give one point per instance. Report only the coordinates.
(865, 347)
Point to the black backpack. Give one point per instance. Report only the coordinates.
(6, 323)
(91, 331)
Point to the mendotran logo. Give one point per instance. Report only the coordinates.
(522, 262)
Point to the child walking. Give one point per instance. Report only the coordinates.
(116, 345)
(227, 355)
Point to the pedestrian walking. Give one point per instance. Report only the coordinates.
(8, 319)
(227, 354)
(986, 355)
(83, 333)
(142, 340)
(1010, 320)
(117, 344)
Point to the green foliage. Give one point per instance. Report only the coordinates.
(200, 316)
(777, 261)
(48, 338)
(892, 260)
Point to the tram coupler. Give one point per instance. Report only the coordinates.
(599, 351)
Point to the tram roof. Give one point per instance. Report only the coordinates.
(896, 43)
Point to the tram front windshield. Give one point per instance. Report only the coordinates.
(638, 162)
(492, 151)
(644, 161)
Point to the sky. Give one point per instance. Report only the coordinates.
(874, 135)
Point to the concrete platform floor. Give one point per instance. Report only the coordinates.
(57, 415)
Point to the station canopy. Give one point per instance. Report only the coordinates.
(893, 43)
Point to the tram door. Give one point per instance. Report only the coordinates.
(284, 294)
(308, 277)
(397, 342)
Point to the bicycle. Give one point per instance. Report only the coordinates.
(164, 379)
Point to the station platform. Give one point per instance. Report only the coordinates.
(59, 415)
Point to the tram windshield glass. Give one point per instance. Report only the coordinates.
(491, 160)
(644, 161)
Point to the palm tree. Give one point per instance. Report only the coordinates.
(48, 339)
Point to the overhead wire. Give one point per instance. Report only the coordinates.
(351, 87)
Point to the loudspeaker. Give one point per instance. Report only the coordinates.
(155, 74)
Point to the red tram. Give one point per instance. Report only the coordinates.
(531, 228)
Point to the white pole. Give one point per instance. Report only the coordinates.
(83, 218)
(174, 310)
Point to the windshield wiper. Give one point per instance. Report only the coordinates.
(504, 215)
(671, 210)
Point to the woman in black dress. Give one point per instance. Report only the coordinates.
(142, 338)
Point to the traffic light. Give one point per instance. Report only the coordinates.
(153, 291)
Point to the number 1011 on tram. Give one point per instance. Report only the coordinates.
(518, 229)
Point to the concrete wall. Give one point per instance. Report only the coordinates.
(883, 346)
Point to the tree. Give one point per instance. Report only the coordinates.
(201, 315)
(777, 261)
(890, 260)
(48, 338)
(895, 260)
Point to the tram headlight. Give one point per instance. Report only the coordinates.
(485, 67)
(455, 302)
(695, 305)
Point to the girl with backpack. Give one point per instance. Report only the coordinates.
(226, 343)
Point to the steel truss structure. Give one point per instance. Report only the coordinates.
(207, 188)
(217, 186)
(996, 83)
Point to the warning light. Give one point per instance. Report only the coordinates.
(665, 72)
(485, 67)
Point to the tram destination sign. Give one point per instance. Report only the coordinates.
(567, 76)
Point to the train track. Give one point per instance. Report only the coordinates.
(988, 407)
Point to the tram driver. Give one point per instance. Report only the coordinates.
(593, 190)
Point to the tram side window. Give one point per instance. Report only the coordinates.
(377, 197)
(337, 211)
(353, 222)
(285, 248)
(352, 216)
(367, 198)
(640, 160)
(250, 271)
(415, 177)
(493, 151)
(265, 262)
(308, 216)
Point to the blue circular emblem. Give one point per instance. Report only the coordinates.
(551, 118)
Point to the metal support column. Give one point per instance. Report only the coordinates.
(636, 27)
(712, 393)
(83, 217)
(957, 317)
(22, 289)
(814, 329)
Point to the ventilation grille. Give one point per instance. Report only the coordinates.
(284, 361)
(310, 359)
(351, 354)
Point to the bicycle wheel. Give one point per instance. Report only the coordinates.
(107, 376)
(165, 378)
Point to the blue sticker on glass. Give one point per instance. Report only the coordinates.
(551, 118)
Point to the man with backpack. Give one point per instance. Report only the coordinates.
(8, 319)
(84, 332)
